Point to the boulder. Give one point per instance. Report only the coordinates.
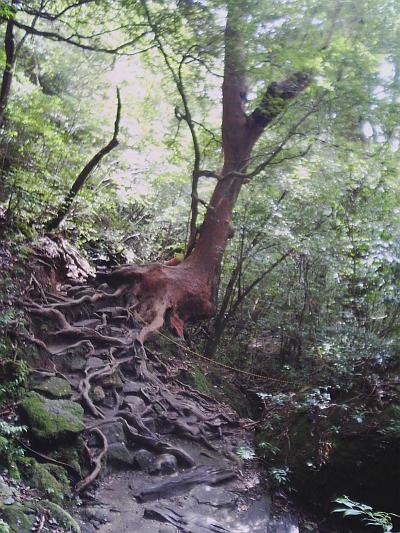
(119, 455)
(50, 479)
(54, 387)
(164, 464)
(144, 460)
(52, 421)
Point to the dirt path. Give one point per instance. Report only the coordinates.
(170, 451)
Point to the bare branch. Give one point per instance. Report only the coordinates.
(86, 171)
(54, 36)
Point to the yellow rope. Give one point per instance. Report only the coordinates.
(228, 367)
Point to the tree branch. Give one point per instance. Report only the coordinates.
(275, 100)
(85, 173)
(53, 17)
(54, 36)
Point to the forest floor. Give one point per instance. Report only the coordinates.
(156, 455)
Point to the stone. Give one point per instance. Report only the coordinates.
(76, 357)
(214, 496)
(98, 394)
(18, 518)
(144, 459)
(119, 454)
(54, 387)
(95, 513)
(150, 423)
(132, 387)
(167, 528)
(6, 491)
(73, 454)
(52, 420)
(164, 464)
(59, 514)
(96, 362)
(112, 381)
(137, 404)
(49, 478)
(114, 432)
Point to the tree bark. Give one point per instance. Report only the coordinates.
(9, 47)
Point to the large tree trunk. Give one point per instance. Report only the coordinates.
(9, 47)
(186, 292)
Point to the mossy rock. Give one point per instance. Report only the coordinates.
(54, 387)
(18, 517)
(11, 370)
(196, 378)
(113, 381)
(60, 515)
(73, 455)
(52, 421)
(49, 478)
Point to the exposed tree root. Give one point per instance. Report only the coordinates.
(88, 480)
(104, 323)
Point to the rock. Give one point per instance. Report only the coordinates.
(112, 381)
(49, 478)
(150, 423)
(76, 356)
(216, 497)
(137, 404)
(95, 513)
(73, 455)
(98, 394)
(164, 464)
(59, 514)
(96, 362)
(167, 528)
(6, 491)
(144, 459)
(114, 432)
(132, 387)
(119, 454)
(52, 420)
(54, 387)
(18, 517)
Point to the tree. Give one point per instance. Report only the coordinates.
(186, 292)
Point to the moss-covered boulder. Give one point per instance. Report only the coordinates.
(54, 387)
(51, 479)
(60, 515)
(18, 517)
(51, 421)
(73, 455)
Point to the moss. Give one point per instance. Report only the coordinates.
(74, 455)
(52, 420)
(19, 518)
(237, 400)
(51, 479)
(61, 515)
(200, 381)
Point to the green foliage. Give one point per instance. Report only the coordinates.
(350, 508)
(10, 449)
(4, 528)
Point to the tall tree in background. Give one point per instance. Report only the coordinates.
(186, 292)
